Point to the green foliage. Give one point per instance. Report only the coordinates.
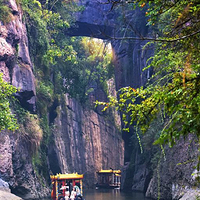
(173, 91)
(37, 29)
(5, 12)
(40, 166)
(46, 23)
(79, 67)
(19, 111)
(45, 96)
(88, 66)
(197, 197)
(39, 157)
(44, 91)
(73, 65)
(7, 119)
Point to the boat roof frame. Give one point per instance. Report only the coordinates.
(73, 176)
(110, 171)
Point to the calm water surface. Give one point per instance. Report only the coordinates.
(113, 194)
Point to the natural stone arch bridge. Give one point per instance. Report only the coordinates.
(96, 20)
(99, 20)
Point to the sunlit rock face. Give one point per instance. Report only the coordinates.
(4, 186)
(85, 142)
(15, 155)
(15, 61)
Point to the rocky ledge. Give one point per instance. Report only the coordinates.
(5, 192)
(191, 194)
(8, 196)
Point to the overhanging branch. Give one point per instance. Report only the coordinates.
(154, 39)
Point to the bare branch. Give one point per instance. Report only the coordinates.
(154, 39)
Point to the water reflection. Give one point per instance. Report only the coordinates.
(113, 194)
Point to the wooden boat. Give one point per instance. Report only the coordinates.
(62, 183)
(109, 179)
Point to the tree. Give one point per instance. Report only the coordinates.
(7, 119)
(173, 92)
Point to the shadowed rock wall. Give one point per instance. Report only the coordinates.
(96, 20)
(176, 172)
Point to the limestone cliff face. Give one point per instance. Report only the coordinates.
(85, 142)
(15, 158)
(14, 57)
(16, 167)
(176, 173)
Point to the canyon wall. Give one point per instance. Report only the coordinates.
(176, 173)
(85, 142)
(16, 166)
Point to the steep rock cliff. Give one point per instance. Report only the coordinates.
(176, 172)
(14, 57)
(170, 178)
(16, 166)
(17, 169)
(85, 142)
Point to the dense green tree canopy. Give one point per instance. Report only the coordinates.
(173, 92)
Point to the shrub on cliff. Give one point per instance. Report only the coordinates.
(7, 119)
(5, 12)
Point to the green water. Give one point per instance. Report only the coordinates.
(113, 194)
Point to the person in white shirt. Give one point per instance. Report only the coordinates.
(73, 194)
(67, 193)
